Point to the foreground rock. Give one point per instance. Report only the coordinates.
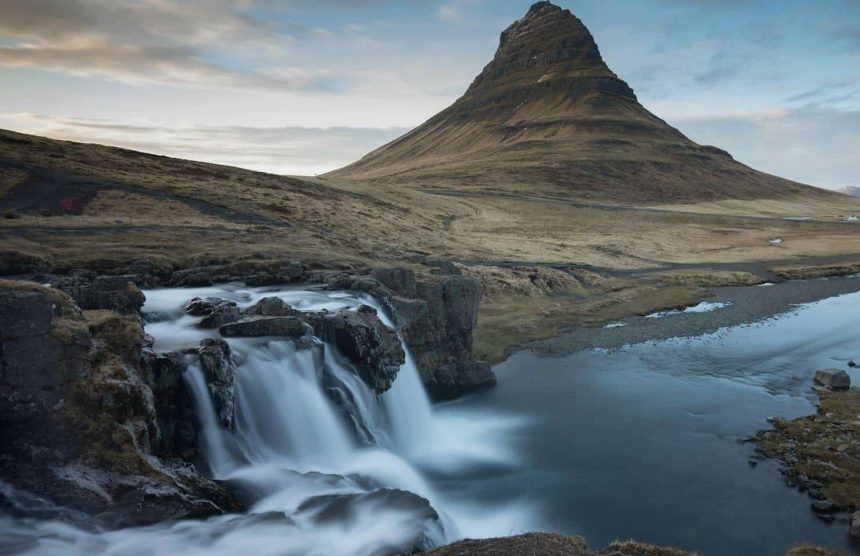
(832, 379)
(79, 418)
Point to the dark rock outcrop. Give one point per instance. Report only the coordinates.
(366, 341)
(251, 326)
(436, 316)
(271, 307)
(174, 406)
(79, 423)
(219, 370)
(438, 329)
(221, 314)
(44, 348)
(114, 293)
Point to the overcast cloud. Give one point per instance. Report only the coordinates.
(297, 86)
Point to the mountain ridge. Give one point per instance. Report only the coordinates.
(548, 113)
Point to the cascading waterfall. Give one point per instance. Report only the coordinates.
(330, 466)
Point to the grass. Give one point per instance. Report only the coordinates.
(823, 447)
(156, 215)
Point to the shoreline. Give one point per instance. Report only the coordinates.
(745, 305)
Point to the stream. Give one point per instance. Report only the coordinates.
(638, 442)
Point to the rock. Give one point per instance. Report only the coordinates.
(115, 293)
(401, 281)
(252, 326)
(854, 528)
(271, 307)
(200, 307)
(44, 348)
(222, 314)
(79, 417)
(365, 340)
(219, 370)
(292, 272)
(823, 506)
(832, 379)
(438, 329)
(174, 405)
(852, 364)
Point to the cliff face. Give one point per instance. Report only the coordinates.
(548, 114)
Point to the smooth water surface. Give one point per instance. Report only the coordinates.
(643, 442)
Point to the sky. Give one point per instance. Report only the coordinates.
(307, 86)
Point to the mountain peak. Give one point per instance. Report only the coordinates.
(547, 114)
(548, 40)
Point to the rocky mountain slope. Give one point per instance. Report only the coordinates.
(547, 114)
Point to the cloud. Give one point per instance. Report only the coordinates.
(164, 41)
(281, 149)
(814, 145)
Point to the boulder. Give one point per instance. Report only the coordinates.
(855, 525)
(365, 340)
(251, 326)
(271, 307)
(219, 370)
(832, 379)
(202, 306)
(221, 314)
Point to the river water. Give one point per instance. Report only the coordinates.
(639, 442)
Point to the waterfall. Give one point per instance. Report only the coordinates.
(329, 466)
(308, 427)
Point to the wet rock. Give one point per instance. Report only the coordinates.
(832, 379)
(202, 306)
(251, 326)
(221, 314)
(365, 340)
(219, 370)
(174, 406)
(823, 506)
(334, 509)
(271, 307)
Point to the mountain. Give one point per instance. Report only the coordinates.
(548, 116)
(852, 190)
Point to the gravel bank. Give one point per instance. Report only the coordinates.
(743, 305)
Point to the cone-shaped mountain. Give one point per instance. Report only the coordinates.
(548, 115)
